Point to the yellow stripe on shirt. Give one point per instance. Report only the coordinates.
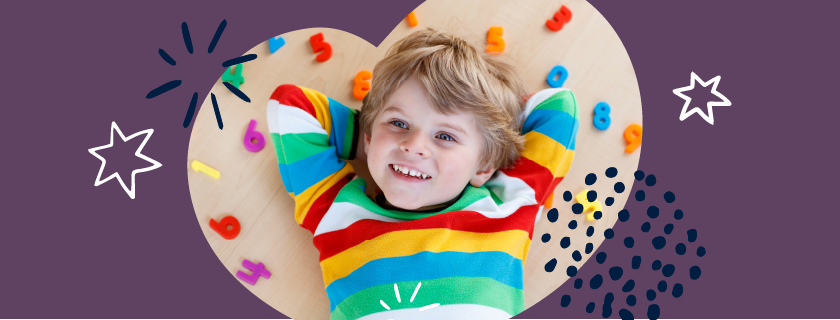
(549, 154)
(305, 199)
(322, 107)
(408, 242)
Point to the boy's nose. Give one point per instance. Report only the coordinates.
(414, 145)
(405, 149)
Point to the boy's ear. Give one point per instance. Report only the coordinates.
(367, 143)
(482, 176)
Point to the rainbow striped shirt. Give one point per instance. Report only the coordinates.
(464, 262)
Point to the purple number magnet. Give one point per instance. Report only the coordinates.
(253, 135)
(257, 270)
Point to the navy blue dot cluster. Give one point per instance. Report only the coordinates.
(577, 208)
(616, 272)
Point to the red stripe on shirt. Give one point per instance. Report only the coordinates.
(334, 242)
(321, 205)
(551, 188)
(534, 175)
(292, 95)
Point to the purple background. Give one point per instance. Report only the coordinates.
(754, 185)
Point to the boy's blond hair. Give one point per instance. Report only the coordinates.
(457, 77)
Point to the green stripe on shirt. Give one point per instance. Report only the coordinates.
(451, 290)
(354, 192)
(348, 136)
(299, 146)
(567, 104)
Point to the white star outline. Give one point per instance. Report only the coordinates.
(710, 118)
(155, 165)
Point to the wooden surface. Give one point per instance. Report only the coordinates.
(250, 187)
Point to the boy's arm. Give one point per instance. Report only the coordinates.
(312, 136)
(550, 130)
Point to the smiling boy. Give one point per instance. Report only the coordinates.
(464, 165)
(420, 157)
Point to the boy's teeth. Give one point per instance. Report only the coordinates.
(408, 172)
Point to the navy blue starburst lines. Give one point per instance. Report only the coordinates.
(185, 31)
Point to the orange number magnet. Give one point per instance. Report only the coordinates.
(412, 19)
(633, 136)
(361, 84)
(494, 38)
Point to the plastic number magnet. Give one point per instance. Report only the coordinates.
(275, 43)
(633, 136)
(362, 86)
(235, 78)
(203, 168)
(494, 39)
(560, 19)
(221, 227)
(258, 270)
(601, 120)
(412, 19)
(318, 45)
(525, 99)
(594, 205)
(549, 202)
(254, 140)
(557, 71)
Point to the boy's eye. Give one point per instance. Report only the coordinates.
(399, 123)
(446, 137)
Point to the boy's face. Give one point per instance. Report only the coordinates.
(410, 136)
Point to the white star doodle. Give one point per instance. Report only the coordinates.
(710, 118)
(155, 165)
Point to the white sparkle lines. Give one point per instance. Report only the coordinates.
(415, 291)
(413, 295)
(429, 306)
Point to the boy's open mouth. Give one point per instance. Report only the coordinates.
(409, 172)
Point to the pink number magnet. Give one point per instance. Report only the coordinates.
(253, 135)
(257, 271)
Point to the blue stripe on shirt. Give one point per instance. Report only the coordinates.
(425, 265)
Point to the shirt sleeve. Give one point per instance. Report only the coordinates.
(312, 136)
(550, 130)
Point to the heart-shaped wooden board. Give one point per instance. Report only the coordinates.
(250, 187)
